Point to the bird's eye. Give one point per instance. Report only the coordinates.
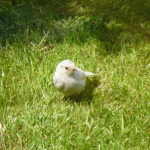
(66, 68)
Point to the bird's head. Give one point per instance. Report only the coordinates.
(67, 67)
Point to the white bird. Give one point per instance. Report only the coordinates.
(69, 79)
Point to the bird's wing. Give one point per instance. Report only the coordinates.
(79, 74)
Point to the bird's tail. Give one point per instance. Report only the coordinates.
(89, 73)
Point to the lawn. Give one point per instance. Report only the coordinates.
(112, 113)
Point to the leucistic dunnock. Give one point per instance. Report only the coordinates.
(69, 79)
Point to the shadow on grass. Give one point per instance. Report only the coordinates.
(87, 94)
(41, 16)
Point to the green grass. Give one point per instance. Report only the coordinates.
(113, 115)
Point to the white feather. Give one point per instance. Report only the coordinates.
(69, 79)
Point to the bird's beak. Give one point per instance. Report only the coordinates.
(73, 69)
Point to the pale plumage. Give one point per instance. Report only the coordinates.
(69, 79)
